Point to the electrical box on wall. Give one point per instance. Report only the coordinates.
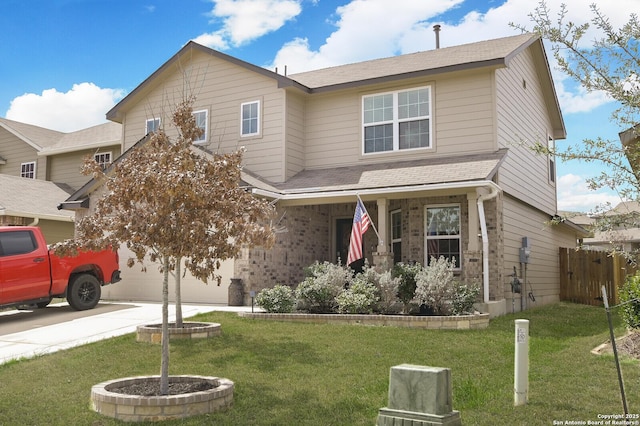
(525, 250)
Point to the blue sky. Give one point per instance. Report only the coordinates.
(65, 63)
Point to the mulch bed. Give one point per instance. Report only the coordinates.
(152, 388)
(630, 345)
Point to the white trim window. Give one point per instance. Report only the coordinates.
(442, 233)
(28, 170)
(103, 159)
(250, 118)
(152, 125)
(395, 121)
(202, 123)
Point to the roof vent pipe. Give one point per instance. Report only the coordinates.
(436, 29)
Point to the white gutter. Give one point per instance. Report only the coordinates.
(483, 196)
(36, 216)
(350, 193)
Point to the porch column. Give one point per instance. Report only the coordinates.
(383, 257)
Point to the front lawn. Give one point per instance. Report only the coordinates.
(318, 374)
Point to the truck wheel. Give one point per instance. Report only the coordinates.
(83, 292)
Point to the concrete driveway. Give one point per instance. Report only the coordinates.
(26, 334)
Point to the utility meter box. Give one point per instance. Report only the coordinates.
(525, 250)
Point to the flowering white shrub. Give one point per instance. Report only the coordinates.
(317, 293)
(389, 302)
(359, 298)
(464, 296)
(279, 299)
(435, 285)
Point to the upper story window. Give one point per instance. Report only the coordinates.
(201, 122)
(397, 120)
(153, 124)
(28, 170)
(250, 118)
(442, 233)
(551, 144)
(103, 159)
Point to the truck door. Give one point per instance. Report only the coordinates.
(24, 267)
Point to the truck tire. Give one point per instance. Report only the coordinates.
(83, 292)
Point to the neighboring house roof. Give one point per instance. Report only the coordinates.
(33, 198)
(102, 135)
(50, 142)
(490, 53)
(37, 137)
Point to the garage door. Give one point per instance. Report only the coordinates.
(137, 285)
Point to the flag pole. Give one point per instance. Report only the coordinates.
(380, 241)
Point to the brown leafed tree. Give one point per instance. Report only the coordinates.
(172, 201)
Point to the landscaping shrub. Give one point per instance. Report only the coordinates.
(406, 273)
(435, 285)
(324, 281)
(359, 298)
(464, 296)
(279, 299)
(630, 299)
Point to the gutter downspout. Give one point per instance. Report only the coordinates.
(485, 193)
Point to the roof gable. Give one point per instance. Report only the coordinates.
(37, 137)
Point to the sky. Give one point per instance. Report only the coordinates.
(65, 63)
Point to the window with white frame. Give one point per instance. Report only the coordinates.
(103, 159)
(397, 121)
(442, 233)
(201, 122)
(250, 118)
(153, 125)
(396, 235)
(551, 144)
(28, 170)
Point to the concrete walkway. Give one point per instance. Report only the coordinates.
(26, 334)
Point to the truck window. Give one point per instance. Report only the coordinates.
(17, 242)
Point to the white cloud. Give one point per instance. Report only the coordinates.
(83, 106)
(247, 20)
(574, 195)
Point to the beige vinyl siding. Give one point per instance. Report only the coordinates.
(16, 152)
(294, 140)
(543, 270)
(462, 121)
(523, 118)
(65, 168)
(220, 87)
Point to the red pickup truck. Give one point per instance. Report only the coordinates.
(31, 274)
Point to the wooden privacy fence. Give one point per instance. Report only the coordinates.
(584, 272)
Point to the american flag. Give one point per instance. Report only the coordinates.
(361, 222)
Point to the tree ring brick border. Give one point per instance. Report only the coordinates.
(137, 408)
(190, 330)
(453, 322)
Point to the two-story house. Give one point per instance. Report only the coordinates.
(435, 144)
(39, 167)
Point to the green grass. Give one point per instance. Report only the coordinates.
(310, 374)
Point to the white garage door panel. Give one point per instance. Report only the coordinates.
(137, 285)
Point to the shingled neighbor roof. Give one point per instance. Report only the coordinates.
(98, 136)
(33, 198)
(37, 137)
(496, 52)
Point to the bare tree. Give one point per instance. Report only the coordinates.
(172, 201)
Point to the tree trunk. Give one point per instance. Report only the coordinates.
(164, 365)
(178, 277)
